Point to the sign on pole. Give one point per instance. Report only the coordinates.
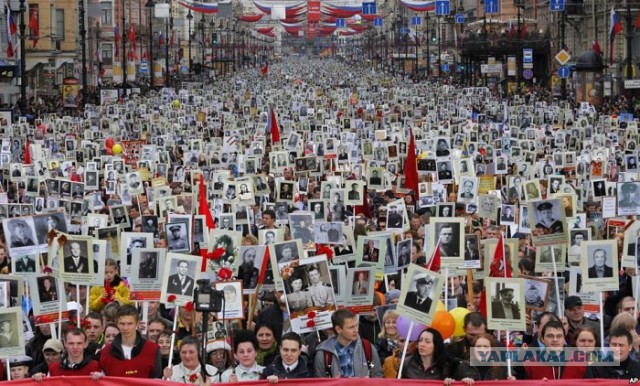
(369, 8)
(556, 5)
(443, 7)
(491, 7)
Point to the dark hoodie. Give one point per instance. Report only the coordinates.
(278, 368)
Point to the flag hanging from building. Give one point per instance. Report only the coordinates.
(161, 40)
(34, 26)
(614, 29)
(11, 33)
(116, 35)
(132, 38)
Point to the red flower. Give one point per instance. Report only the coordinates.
(193, 377)
(225, 273)
(324, 250)
(85, 324)
(47, 269)
(171, 298)
(216, 254)
(311, 314)
(188, 306)
(311, 323)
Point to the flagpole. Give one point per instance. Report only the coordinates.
(555, 278)
(23, 61)
(404, 349)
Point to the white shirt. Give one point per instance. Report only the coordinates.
(243, 373)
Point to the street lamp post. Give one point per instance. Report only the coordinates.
(23, 61)
(212, 26)
(83, 45)
(189, 17)
(150, 5)
(204, 47)
(124, 52)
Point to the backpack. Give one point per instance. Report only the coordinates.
(366, 345)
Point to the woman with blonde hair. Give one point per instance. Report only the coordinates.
(387, 341)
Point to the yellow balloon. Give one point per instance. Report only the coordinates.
(458, 315)
(440, 306)
(176, 103)
(116, 149)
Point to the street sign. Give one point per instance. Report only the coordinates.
(369, 8)
(563, 72)
(445, 67)
(459, 19)
(491, 68)
(340, 23)
(527, 55)
(377, 22)
(416, 20)
(563, 57)
(443, 7)
(632, 84)
(556, 5)
(527, 74)
(403, 30)
(143, 67)
(491, 6)
(527, 65)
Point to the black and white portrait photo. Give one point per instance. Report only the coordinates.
(600, 262)
(506, 299)
(180, 275)
(177, 237)
(536, 293)
(420, 293)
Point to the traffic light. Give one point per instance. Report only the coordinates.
(433, 35)
(214, 38)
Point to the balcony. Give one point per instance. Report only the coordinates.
(494, 44)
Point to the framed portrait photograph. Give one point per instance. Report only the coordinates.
(600, 263)
(375, 178)
(179, 277)
(301, 224)
(354, 192)
(448, 235)
(250, 265)
(549, 222)
(360, 283)
(26, 265)
(545, 255)
(507, 214)
(445, 209)
(506, 297)
(76, 255)
(13, 287)
(129, 241)
(119, 215)
(472, 258)
(146, 270)
(420, 294)
(286, 251)
(21, 236)
(286, 191)
(270, 236)
(177, 237)
(370, 250)
(307, 286)
(628, 197)
(469, 190)
(395, 217)
(232, 307)
(536, 293)
(45, 308)
(11, 332)
(403, 253)
(339, 280)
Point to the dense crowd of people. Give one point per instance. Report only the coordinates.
(331, 142)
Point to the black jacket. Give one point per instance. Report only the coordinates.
(277, 368)
(627, 370)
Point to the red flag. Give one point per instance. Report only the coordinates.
(132, 36)
(410, 167)
(595, 47)
(523, 31)
(263, 269)
(500, 267)
(34, 26)
(264, 70)
(206, 212)
(434, 262)
(273, 127)
(482, 304)
(27, 154)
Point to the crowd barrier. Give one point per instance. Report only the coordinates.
(115, 381)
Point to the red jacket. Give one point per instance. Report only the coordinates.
(145, 359)
(554, 372)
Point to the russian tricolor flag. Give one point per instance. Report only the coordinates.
(615, 28)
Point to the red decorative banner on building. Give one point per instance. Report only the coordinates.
(313, 14)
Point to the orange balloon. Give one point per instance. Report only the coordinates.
(444, 323)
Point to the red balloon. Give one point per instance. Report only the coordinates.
(444, 323)
(109, 143)
(109, 152)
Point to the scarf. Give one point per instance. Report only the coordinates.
(262, 354)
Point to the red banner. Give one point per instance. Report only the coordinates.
(115, 381)
(313, 14)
